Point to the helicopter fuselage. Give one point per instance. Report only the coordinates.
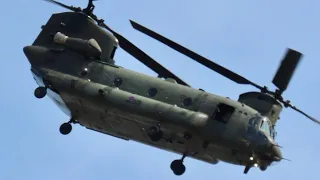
(123, 103)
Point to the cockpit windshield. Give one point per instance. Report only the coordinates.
(263, 123)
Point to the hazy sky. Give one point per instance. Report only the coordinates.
(247, 36)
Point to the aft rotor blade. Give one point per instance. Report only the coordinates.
(143, 57)
(63, 5)
(202, 60)
(295, 108)
(286, 69)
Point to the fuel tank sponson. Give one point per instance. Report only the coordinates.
(135, 104)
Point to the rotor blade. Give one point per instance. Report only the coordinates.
(286, 69)
(63, 5)
(219, 69)
(143, 57)
(295, 108)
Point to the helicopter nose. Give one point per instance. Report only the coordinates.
(276, 153)
(35, 54)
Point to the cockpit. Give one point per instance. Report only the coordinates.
(264, 124)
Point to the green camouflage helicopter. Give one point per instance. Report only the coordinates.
(72, 62)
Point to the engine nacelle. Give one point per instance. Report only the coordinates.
(89, 48)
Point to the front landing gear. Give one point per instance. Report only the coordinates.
(40, 92)
(66, 128)
(246, 169)
(178, 167)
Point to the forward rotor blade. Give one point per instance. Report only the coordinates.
(295, 108)
(219, 69)
(286, 69)
(143, 57)
(63, 5)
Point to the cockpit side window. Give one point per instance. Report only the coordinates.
(223, 113)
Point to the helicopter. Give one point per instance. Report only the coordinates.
(72, 61)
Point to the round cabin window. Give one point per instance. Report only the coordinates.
(187, 102)
(117, 82)
(152, 92)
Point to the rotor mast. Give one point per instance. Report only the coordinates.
(89, 9)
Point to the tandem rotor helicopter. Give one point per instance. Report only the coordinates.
(72, 62)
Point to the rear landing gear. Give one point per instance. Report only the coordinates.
(66, 128)
(178, 167)
(40, 92)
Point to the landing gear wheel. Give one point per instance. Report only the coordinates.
(65, 128)
(154, 133)
(40, 92)
(263, 168)
(178, 167)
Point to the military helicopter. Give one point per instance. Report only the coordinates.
(72, 61)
